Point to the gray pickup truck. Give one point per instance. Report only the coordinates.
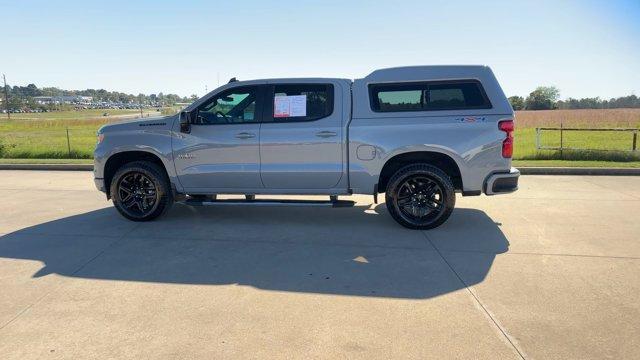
(418, 134)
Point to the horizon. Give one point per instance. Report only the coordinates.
(524, 96)
(586, 49)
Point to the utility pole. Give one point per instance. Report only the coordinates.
(6, 97)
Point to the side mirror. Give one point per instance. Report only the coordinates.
(185, 122)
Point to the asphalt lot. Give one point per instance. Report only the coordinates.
(552, 271)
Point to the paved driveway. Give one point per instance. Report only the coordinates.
(552, 271)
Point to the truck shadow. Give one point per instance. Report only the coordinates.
(356, 251)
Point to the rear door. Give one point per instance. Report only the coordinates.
(301, 137)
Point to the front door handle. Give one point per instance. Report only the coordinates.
(245, 135)
(326, 134)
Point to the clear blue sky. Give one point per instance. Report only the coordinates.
(585, 48)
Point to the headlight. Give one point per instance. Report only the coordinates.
(100, 137)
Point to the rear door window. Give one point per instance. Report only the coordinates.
(301, 102)
(426, 96)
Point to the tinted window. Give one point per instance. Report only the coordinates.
(302, 102)
(424, 96)
(230, 107)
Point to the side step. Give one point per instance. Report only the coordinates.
(269, 202)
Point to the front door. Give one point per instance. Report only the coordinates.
(301, 138)
(222, 149)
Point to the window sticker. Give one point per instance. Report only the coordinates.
(290, 106)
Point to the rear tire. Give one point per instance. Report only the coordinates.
(420, 196)
(140, 191)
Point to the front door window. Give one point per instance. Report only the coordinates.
(234, 106)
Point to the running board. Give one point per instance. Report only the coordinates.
(268, 202)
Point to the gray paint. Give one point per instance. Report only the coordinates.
(299, 157)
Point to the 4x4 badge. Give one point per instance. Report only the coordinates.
(471, 119)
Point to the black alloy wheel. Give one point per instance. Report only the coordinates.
(138, 194)
(140, 191)
(420, 196)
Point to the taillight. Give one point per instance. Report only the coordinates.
(507, 145)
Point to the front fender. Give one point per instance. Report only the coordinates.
(155, 142)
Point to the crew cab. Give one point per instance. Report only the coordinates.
(418, 134)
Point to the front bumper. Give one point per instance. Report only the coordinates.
(502, 183)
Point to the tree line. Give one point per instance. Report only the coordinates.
(542, 98)
(548, 98)
(23, 96)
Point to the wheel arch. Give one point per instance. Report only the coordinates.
(117, 160)
(441, 160)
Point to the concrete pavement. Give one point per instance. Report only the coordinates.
(548, 272)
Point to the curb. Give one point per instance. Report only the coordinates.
(523, 170)
(579, 171)
(48, 167)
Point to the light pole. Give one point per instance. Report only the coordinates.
(6, 97)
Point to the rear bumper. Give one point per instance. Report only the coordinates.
(502, 183)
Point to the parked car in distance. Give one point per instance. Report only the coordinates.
(418, 134)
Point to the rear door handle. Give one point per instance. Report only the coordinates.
(245, 135)
(326, 134)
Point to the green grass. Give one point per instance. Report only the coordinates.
(46, 161)
(43, 136)
(525, 145)
(575, 163)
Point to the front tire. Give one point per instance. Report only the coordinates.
(420, 196)
(140, 191)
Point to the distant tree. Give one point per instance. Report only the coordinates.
(631, 101)
(15, 103)
(543, 98)
(31, 90)
(585, 103)
(517, 102)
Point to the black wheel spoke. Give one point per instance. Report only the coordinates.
(129, 203)
(431, 189)
(419, 197)
(431, 206)
(407, 187)
(137, 194)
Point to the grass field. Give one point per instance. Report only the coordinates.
(527, 121)
(43, 135)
